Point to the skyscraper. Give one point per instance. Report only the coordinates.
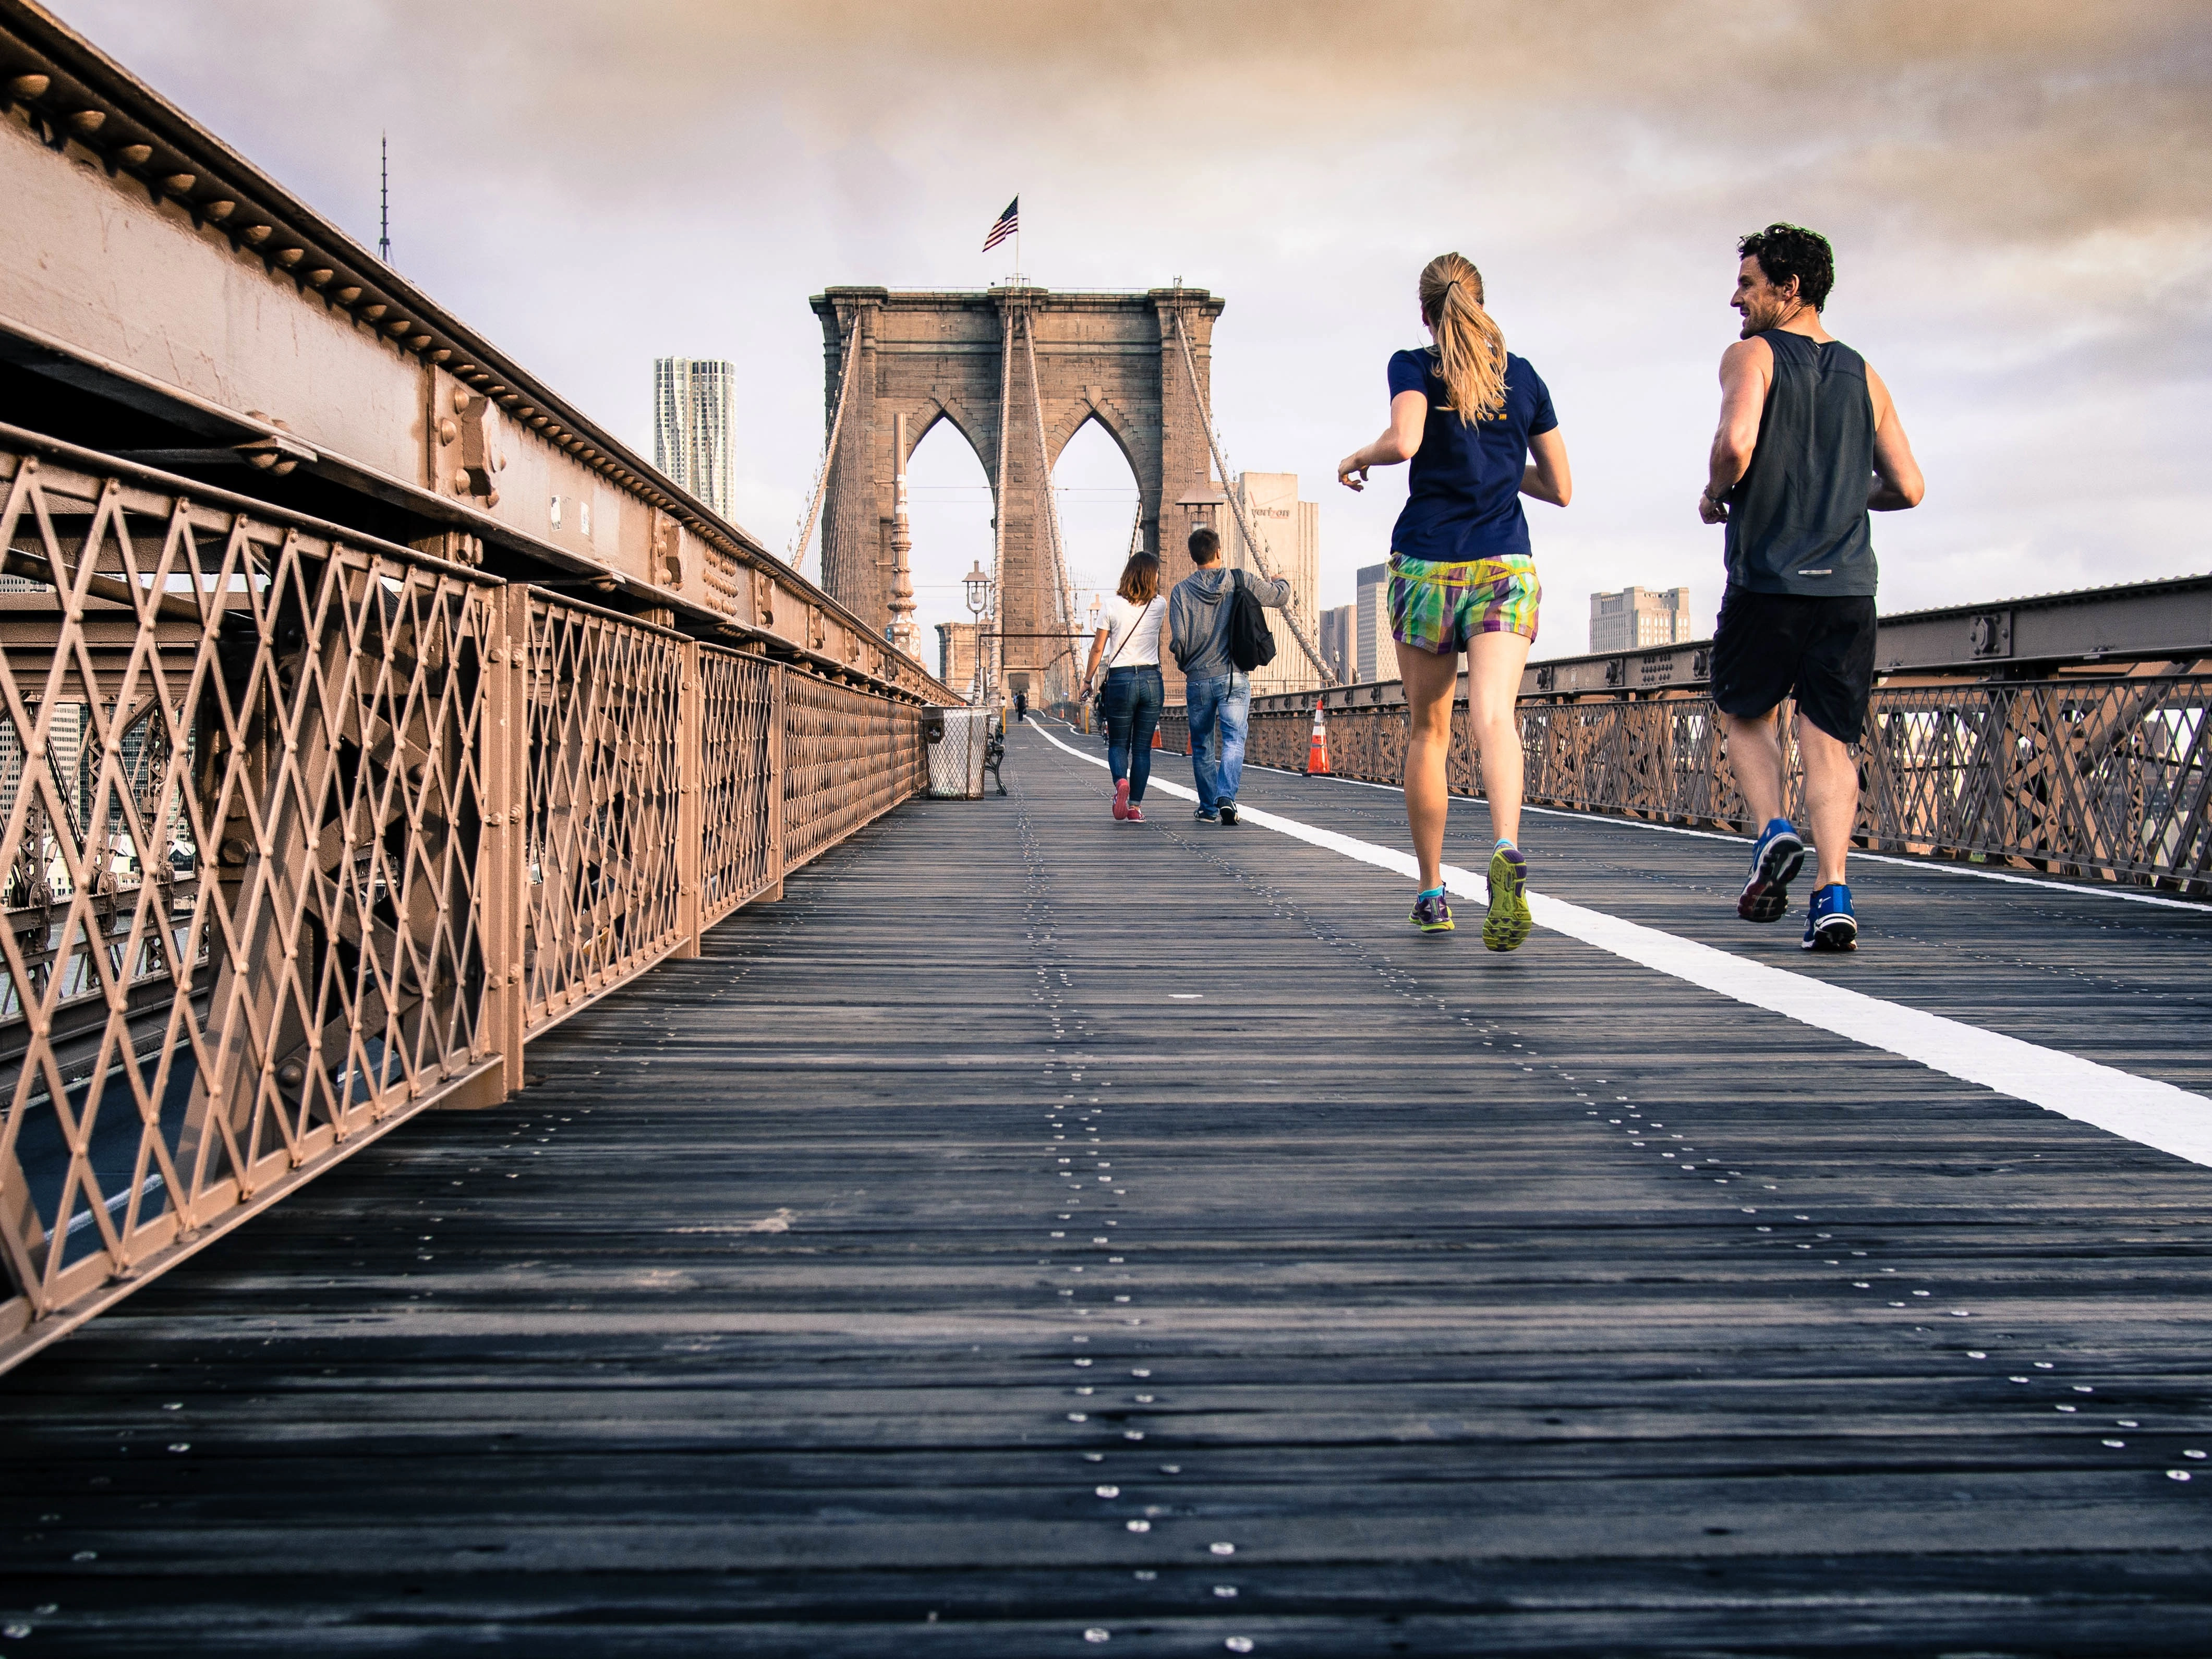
(693, 400)
(1637, 617)
(1338, 627)
(1290, 530)
(1375, 651)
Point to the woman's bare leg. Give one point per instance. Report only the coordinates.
(1431, 684)
(1494, 662)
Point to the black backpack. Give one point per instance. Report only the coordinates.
(1251, 642)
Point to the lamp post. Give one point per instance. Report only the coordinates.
(977, 583)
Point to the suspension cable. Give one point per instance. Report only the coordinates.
(1064, 597)
(1244, 523)
(999, 491)
(829, 453)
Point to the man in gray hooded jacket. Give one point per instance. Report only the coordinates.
(1216, 693)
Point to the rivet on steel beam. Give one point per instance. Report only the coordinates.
(29, 86)
(291, 256)
(89, 120)
(440, 355)
(178, 183)
(419, 340)
(257, 235)
(134, 155)
(219, 209)
(319, 277)
(346, 296)
(373, 312)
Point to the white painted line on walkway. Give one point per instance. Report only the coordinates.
(2141, 1109)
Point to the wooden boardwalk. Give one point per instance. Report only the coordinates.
(1036, 1234)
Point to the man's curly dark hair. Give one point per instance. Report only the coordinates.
(1784, 251)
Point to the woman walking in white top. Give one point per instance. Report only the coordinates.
(1129, 645)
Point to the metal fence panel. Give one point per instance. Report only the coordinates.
(243, 803)
(301, 832)
(739, 856)
(602, 792)
(848, 759)
(2101, 778)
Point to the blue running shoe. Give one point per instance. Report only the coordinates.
(1832, 926)
(1776, 859)
(1432, 912)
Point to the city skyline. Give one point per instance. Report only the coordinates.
(2017, 195)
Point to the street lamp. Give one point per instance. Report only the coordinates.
(977, 582)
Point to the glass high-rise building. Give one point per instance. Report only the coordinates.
(693, 401)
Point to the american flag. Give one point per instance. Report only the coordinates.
(1009, 222)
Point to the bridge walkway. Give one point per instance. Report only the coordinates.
(1034, 1227)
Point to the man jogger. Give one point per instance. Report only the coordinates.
(1809, 443)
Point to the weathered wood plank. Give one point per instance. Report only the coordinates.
(746, 1328)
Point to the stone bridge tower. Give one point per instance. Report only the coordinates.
(1000, 365)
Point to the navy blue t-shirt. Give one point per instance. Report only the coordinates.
(1463, 498)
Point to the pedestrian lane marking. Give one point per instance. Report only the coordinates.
(2138, 1108)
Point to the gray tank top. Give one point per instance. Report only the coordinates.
(1797, 519)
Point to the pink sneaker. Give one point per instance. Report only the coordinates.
(1136, 814)
(1121, 799)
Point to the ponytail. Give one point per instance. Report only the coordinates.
(1469, 343)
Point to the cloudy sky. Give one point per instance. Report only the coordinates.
(2019, 194)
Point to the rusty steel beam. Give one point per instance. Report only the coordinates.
(255, 336)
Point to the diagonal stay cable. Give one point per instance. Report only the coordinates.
(828, 451)
(1063, 595)
(1251, 536)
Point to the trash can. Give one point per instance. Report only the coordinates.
(956, 760)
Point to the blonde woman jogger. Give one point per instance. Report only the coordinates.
(1477, 425)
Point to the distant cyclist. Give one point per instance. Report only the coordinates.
(1809, 444)
(1477, 424)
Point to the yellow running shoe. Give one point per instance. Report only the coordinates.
(1509, 922)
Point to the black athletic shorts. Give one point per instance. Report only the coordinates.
(1820, 650)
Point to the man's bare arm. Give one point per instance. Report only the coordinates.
(1897, 483)
(1746, 370)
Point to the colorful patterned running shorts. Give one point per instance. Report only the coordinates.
(1437, 606)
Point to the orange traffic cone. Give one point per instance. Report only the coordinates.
(1317, 750)
(1156, 741)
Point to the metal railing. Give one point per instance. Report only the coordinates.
(2105, 777)
(302, 832)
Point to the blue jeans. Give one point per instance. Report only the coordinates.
(1133, 696)
(1220, 710)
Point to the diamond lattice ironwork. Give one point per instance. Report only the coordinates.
(238, 759)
